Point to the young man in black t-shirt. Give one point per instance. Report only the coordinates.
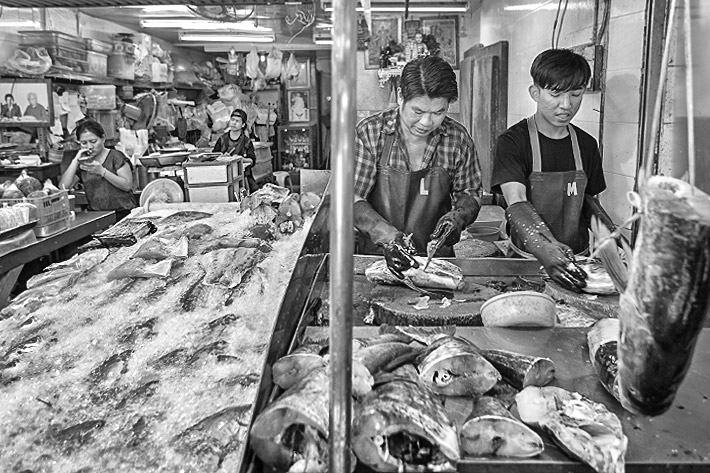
(547, 169)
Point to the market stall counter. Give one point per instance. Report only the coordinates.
(84, 225)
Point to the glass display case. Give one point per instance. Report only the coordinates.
(298, 146)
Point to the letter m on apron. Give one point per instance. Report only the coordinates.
(572, 188)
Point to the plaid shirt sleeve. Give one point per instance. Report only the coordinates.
(367, 135)
(467, 177)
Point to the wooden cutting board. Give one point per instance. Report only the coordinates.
(596, 306)
(395, 305)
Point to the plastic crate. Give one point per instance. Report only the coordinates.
(50, 209)
(99, 97)
(74, 59)
(214, 172)
(98, 64)
(223, 193)
(50, 39)
(98, 46)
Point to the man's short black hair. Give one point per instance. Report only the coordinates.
(9, 95)
(429, 76)
(560, 70)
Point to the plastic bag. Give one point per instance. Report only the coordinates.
(291, 69)
(253, 63)
(34, 61)
(273, 64)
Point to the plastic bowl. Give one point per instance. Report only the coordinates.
(519, 309)
(484, 233)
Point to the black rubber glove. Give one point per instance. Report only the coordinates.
(399, 254)
(452, 223)
(556, 257)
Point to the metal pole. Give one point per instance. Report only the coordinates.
(341, 232)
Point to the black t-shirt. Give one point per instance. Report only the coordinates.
(513, 157)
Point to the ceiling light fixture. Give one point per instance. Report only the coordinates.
(383, 8)
(197, 24)
(226, 38)
(323, 41)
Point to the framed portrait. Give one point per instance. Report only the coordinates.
(298, 110)
(27, 102)
(410, 28)
(446, 31)
(303, 79)
(384, 30)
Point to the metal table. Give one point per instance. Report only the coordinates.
(677, 441)
(84, 225)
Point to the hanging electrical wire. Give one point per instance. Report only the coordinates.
(305, 18)
(557, 26)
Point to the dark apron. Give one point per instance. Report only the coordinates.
(412, 201)
(558, 196)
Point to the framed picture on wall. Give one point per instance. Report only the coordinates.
(410, 28)
(298, 110)
(445, 29)
(385, 29)
(303, 79)
(26, 101)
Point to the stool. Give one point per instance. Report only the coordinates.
(283, 178)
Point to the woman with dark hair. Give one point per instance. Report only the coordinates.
(416, 170)
(237, 142)
(107, 174)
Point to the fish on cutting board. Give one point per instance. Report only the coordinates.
(440, 274)
(456, 367)
(598, 279)
(584, 429)
(491, 430)
(402, 426)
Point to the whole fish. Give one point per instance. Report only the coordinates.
(582, 428)
(603, 342)
(491, 430)
(227, 267)
(309, 203)
(289, 369)
(456, 367)
(402, 426)
(521, 370)
(666, 300)
(440, 274)
(598, 279)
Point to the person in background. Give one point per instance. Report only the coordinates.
(416, 170)
(107, 174)
(237, 142)
(36, 109)
(10, 109)
(547, 168)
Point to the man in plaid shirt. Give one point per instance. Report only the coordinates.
(416, 170)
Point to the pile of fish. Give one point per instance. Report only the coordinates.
(147, 357)
(426, 399)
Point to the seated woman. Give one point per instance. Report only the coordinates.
(107, 174)
(237, 142)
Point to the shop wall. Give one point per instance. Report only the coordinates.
(673, 144)
(528, 27)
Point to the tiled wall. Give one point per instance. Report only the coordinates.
(528, 26)
(673, 155)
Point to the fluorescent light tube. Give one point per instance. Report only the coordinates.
(456, 8)
(19, 24)
(194, 24)
(323, 41)
(227, 38)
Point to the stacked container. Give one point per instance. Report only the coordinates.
(215, 181)
(64, 49)
(121, 62)
(97, 56)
